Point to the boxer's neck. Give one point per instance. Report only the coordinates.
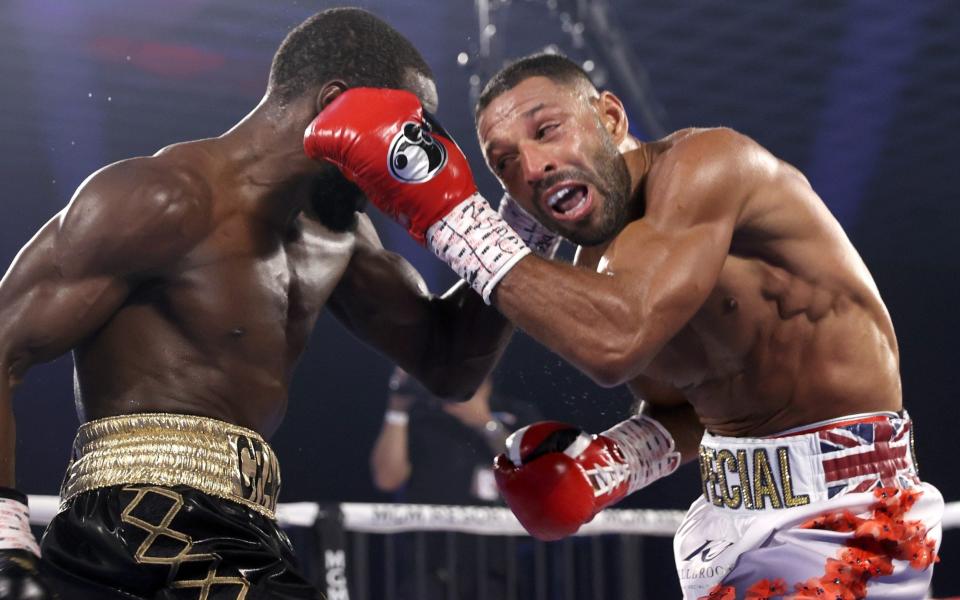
(639, 159)
(265, 150)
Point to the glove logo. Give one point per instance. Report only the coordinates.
(415, 156)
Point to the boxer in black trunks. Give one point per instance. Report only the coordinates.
(186, 284)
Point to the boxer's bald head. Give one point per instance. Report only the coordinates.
(346, 44)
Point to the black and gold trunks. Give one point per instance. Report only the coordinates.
(171, 507)
(215, 457)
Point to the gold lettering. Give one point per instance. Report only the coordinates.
(785, 476)
(706, 471)
(764, 485)
(273, 481)
(713, 478)
(258, 486)
(744, 472)
(731, 494)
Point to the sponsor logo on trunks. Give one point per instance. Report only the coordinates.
(709, 550)
(757, 472)
(415, 156)
(711, 572)
(695, 564)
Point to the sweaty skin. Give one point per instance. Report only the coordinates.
(189, 282)
(731, 299)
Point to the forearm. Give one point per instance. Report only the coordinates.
(683, 425)
(389, 461)
(448, 342)
(581, 315)
(468, 338)
(492, 331)
(496, 438)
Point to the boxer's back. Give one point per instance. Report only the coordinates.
(218, 330)
(794, 330)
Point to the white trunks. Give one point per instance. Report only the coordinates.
(833, 510)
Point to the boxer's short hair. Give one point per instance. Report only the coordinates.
(555, 67)
(343, 43)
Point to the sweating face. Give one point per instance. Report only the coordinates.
(547, 144)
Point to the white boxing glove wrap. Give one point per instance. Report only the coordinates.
(648, 448)
(477, 244)
(538, 238)
(15, 531)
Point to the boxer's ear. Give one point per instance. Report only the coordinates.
(613, 115)
(328, 93)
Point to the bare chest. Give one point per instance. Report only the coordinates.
(248, 283)
(720, 339)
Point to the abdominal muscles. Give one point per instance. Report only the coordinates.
(770, 351)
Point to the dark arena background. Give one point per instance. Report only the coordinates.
(863, 96)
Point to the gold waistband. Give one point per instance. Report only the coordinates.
(212, 456)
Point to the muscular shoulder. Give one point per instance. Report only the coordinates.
(716, 153)
(706, 171)
(137, 214)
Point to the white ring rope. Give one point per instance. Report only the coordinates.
(480, 520)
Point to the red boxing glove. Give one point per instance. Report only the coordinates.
(403, 161)
(410, 169)
(555, 477)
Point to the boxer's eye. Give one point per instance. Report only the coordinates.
(545, 130)
(502, 163)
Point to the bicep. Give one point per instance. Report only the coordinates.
(378, 290)
(382, 299)
(45, 311)
(670, 276)
(682, 243)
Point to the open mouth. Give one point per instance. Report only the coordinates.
(568, 202)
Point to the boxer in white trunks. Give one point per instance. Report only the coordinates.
(710, 279)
